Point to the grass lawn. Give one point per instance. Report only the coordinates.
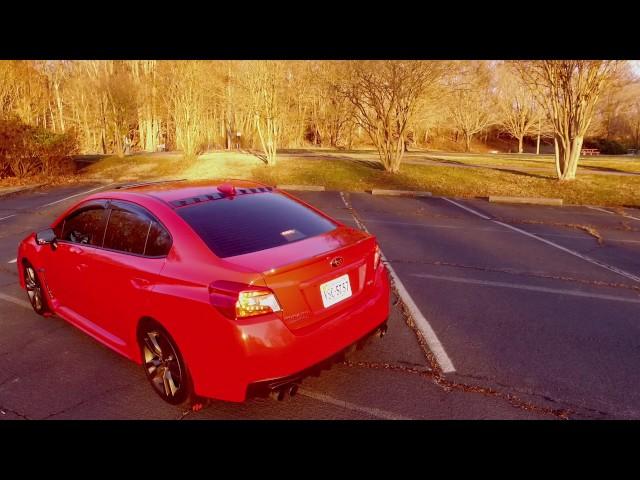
(345, 172)
(587, 163)
(520, 161)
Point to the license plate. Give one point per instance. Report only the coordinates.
(335, 290)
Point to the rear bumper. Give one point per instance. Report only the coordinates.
(268, 351)
(265, 387)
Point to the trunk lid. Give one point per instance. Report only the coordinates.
(295, 272)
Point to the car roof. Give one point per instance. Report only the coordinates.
(173, 191)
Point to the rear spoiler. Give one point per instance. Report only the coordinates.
(142, 184)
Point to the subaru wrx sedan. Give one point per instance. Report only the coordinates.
(218, 289)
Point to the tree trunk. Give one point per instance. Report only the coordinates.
(567, 156)
(574, 158)
(538, 145)
(467, 142)
(520, 144)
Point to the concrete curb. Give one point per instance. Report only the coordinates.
(98, 180)
(10, 190)
(310, 188)
(400, 193)
(558, 202)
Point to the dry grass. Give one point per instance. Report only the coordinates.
(522, 161)
(349, 174)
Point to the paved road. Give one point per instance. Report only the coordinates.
(535, 316)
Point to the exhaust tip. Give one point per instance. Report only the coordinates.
(277, 394)
(293, 389)
(382, 331)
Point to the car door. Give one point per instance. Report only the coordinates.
(133, 254)
(68, 268)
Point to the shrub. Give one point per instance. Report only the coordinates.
(606, 147)
(26, 150)
(54, 151)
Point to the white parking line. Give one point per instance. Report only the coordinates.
(15, 300)
(484, 229)
(8, 216)
(374, 412)
(72, 196)
(444, 362)
(586, 258)
(471, 210)
(599, 209)
(13, 261)
(613, 213)
(533, 288)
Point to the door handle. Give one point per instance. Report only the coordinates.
(140, 282)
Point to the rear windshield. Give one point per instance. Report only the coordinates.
(251, 222)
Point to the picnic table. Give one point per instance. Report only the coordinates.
(590, 151)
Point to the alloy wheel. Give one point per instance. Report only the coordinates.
(163, 366)
(34, 289)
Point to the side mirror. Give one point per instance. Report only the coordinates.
(46, 237)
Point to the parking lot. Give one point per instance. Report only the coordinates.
(517, 312)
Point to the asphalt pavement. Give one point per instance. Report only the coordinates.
(538, 317)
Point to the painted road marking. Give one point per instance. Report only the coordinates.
(533, 288)
(586, 258)
(471, 210)
(605, 211)
(72, 196)
(374, 412)
(8, 216)
(444, 362)
(13, 261)
(15, 300)
(483, 229)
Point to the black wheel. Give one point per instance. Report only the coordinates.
(35, 290)
(163, 365)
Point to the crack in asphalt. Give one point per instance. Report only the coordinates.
(625, 227)
(518, 389)
(435, 374)
(4, 410)
(12, 271)
(449, 385)
(510, 271)
(89, 399)
(589, 229)
(437, 377)
(33, 340)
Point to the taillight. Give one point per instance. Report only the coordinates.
(238, 300)
(256, 302)
(376, 258)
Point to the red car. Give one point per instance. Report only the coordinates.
(220, 290)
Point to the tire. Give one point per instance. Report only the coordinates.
(164, 366)
(35, 290)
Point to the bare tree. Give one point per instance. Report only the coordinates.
(385, 95)
(263, 81)
(519, 113)
(187, 86)
(568, 90)
(471, 102)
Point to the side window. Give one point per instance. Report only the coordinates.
(127, 231)
(158, 242)
(131, 230)
(84, 226)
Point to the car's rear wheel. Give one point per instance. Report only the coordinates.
(163, 365)
(35, 290)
